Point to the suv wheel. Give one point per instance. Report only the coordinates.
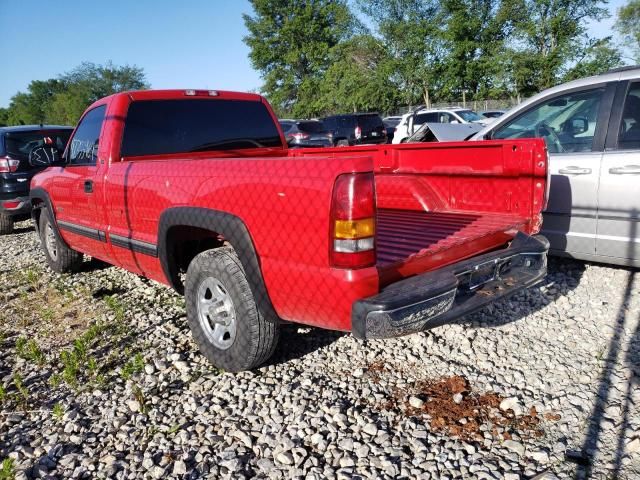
(227, 323)
(59, 257)
(6, 224)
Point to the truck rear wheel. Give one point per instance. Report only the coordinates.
(59, 257)
(227, 323)
(6, 224)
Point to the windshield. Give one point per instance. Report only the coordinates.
(19, 144)
(470, 115)
(312, 127)
(370, 122)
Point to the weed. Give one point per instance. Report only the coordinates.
(21, 387)
(7, 469)
(174, 429)
(70, 367)
(57, 412)
(138, 394)
(29, 350)
(133, 367)
(55, 380)
(31, 276)
(47, 314)
(3, 394)
(92, 366)
(115, 306)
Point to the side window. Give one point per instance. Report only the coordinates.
(346, 122)
(629, 138)
(446, 118)
(83, 148)
(567, 122)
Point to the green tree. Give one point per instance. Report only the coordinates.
(628, 24)
(290, 43)
(552, 35)
(410, 32)
(475, 32)
(597, 58)
(359, 78)
(63, 99)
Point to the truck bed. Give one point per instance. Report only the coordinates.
(421, 241)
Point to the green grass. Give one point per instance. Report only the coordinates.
(7, 469)
(29, 350)
(3, 394)
(57, 412)
(133, 367)
(23, 391)
(116, 306)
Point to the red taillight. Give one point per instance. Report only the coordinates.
(353, 212)
(12, 204)
(8, 165)
(358, 133)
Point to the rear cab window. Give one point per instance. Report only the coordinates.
(156, 127)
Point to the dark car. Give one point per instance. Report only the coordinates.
(16, 143)
(356, 129)
(306, 133)
(492, 113)
(390, 125)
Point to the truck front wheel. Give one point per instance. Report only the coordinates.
(227, 323)
(59, 257)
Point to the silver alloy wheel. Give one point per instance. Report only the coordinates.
(216, 313)
(51, 242)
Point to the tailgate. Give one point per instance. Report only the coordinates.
(440, 203)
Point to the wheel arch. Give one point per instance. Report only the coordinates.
(222, 227)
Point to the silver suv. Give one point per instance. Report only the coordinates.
(592, 130)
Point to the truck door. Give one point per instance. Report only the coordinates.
(77, 187)
(619, 194)
(573, 125)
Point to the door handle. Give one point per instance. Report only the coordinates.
(574, 171)
(88, 186)
(626, 170)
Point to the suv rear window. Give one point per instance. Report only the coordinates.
(155, 127)
(312, 127)
(18, 145)
(370, 122)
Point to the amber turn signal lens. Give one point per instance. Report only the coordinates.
(355, 228)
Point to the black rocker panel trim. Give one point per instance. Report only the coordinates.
(231, 228)
(137, 246)
(91, 233)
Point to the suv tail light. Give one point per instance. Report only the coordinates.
(8, 165)
(353, 221)
(358, 133)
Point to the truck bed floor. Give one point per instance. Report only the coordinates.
(403, 234)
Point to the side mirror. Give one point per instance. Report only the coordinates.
(44, 156)
(578, 125)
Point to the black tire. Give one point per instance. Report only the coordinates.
(6, 224)
(59, 257)
(342, 143)
(256, 333)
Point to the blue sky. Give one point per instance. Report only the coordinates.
(179, 44)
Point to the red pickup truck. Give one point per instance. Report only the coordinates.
(197, 190)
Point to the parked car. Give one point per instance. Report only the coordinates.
(16, 143)
(444, 132)
(198, 190)
(412, 121)
(492, 113)
(390, 124)
(306, 133)
(356, 129)
(592, 130)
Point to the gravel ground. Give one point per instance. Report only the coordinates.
(99, 377)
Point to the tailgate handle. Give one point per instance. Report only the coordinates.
(88, 186)
(574, 171)
(626, 170)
